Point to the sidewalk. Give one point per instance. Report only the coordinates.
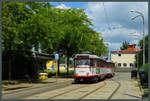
(36, 84)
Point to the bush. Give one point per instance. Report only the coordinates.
(50, 72)
(10, 82)
(145, 78)
(145, 67)
(62, 73)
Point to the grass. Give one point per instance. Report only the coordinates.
(6, 82)
(51, 73)
(63, 74)
(145, 92)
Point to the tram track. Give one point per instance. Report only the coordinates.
(115, 91)
(92, 91)
(89, 93)
(36, 90)
(112, 94)
(46, 88)
(68, 91)
(78, 89)
(29, 88)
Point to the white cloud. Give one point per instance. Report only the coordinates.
(116, 26)
(62, 6)
(117, 12)
(115, 46)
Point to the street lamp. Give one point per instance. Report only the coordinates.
(141, 15)
(107, 44)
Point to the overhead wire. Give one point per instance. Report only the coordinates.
(106, 16)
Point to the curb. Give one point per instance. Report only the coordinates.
(15, 88)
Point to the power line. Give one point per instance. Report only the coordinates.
(106, 16)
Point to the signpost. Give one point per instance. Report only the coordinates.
(56, 58)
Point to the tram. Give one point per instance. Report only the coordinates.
(88, 67)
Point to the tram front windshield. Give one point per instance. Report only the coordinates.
(82, 63)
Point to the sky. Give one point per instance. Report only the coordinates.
(113, 20)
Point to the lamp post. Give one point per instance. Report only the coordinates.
(141, 15)
(107, 44)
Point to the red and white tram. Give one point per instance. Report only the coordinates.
(92, 68)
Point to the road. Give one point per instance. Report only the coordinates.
(118, 87)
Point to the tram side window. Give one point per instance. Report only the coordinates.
(84, 62)
(102, 63)
(108, 65)
(93, 63)
(98, 63)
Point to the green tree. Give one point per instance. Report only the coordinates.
(13, 14)
(124, 45)
(23, 27)
(35, 24)
(141, 53)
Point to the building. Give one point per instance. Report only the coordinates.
(125, 58)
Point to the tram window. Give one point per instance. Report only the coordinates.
(93, 63)
(84, 62)
(98, 63)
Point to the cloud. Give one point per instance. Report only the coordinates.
(116, 37)
(62, 6)
(113, 20)
(117, 12)
(119, 35)
(115, 46)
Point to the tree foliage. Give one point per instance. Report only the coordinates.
(124, 45)
(27, 25)
(141, 53)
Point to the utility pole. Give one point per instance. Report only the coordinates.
(140, 14)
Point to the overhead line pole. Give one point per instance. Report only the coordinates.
(140, 14)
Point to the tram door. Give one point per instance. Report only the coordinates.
(93, 66)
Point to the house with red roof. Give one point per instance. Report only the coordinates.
(126, 58)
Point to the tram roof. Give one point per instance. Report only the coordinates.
(89, 55)
(93, 56)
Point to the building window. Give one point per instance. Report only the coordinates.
(124, 64)
(119, 54)
(131, 64)
(119, 64)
